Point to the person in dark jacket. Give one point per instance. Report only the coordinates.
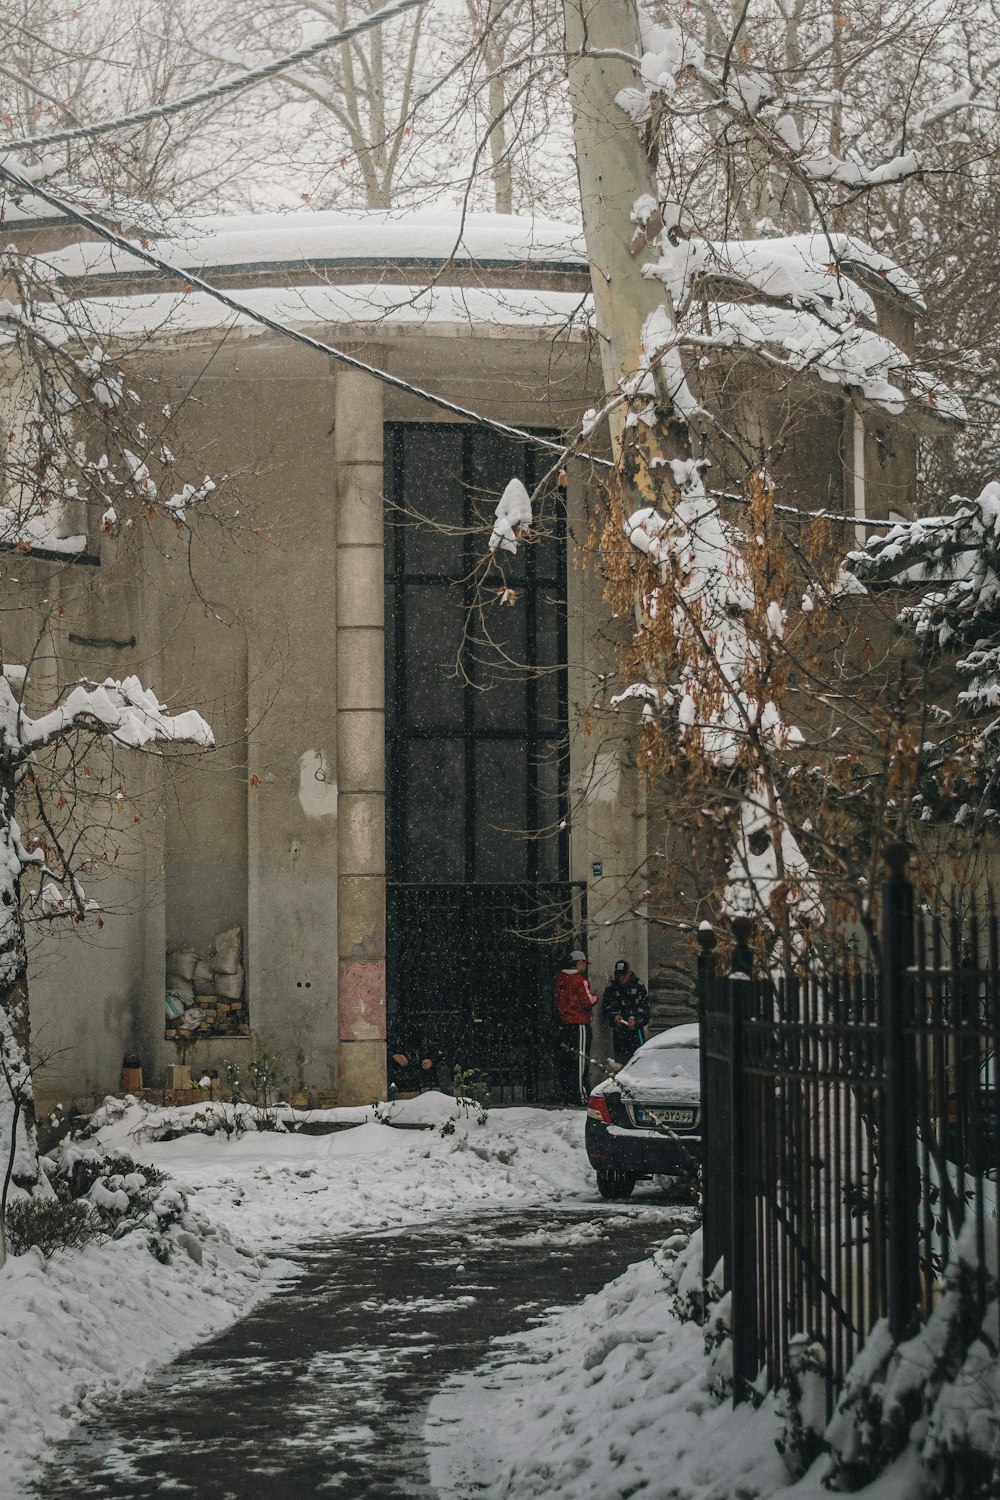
(575, 1002)
(626, 1006)
(414, 1063)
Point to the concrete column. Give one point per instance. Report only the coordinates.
(358, 421)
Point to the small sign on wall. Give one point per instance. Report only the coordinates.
(597, 869)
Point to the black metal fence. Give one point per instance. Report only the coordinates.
(473, 967)
(850, 1135)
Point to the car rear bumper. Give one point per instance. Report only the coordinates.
(642, 1151)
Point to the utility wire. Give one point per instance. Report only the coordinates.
(234, 85)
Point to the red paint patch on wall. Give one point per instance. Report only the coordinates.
(361, 1002)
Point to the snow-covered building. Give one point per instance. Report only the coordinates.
(403, 812)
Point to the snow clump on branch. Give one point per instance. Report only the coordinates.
(513, 517)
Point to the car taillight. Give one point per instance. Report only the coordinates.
(597, 1109)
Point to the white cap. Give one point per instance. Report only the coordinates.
(576, 956)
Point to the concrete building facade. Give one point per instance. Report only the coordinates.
(269, 616)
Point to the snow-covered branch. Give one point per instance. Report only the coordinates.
(125, 712)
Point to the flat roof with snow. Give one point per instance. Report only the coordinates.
(249, 244)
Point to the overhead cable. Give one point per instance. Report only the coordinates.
(234, 85)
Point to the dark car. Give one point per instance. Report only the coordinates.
(646, 1120)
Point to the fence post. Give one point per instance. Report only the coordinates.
(743, 1246)
(711, 1247)
(899, 1130)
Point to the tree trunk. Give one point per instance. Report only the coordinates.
(18, 1145)
(503, 178)
(615, 170)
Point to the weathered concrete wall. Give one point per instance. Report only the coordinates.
(268, 619)
(251, 838)
(89, 981)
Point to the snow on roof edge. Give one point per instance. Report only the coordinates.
(377, 306)
(254, 241)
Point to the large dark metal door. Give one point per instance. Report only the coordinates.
(476, 751)
(472, 967)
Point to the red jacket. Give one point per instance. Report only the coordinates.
(575, 1000)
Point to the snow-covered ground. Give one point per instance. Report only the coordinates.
(611, 1399)
(86, 1325)
(278, 1190)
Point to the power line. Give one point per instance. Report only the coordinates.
(218, 90)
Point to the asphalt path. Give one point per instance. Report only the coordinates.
(322, 1390)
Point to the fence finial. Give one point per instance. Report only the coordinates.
(706, 936)
(897, 857)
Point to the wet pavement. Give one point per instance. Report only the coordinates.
(322, 1390)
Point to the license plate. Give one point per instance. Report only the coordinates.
(664, 1116)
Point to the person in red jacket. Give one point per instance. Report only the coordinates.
(575, 1002)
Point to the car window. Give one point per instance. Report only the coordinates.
(664, 1062)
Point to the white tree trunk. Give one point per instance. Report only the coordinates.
(615, 171)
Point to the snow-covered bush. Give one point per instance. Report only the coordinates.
(122, 1196)
(48, 1225)
(802, 1404)
(940, 1391)
(678, 1261)
(953, 559)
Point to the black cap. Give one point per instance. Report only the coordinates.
(621, 967)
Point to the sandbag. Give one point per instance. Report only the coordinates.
(181, 961)
(227, 951)
(204, 978)
(182, 988)
(230, 986)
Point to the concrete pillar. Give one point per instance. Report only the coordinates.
(358, 420)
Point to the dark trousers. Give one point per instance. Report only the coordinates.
(625, 1042)
(573, 1064)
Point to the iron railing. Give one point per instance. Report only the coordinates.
(850, 1136)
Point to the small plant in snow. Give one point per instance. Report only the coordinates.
(471, 1093)
(216, 1120)
(256, 1088)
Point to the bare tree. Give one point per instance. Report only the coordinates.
(77, 458)
(684, 132)
(72, 67)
